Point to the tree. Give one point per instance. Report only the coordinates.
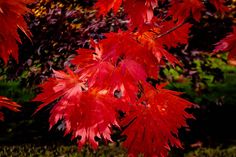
(110, 85)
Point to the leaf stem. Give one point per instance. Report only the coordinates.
(170, 30)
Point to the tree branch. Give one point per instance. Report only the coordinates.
(170, 30)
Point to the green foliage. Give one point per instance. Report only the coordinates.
(59, 150)
(210, 152)
(30, 150)
(213, 90)
(14, 90)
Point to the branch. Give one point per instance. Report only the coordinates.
(170, 30)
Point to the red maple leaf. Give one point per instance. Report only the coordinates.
(7, 103)
(155, 47)
(126, 78)
(181, 10)
(86, 113)
(123, 77)
(92, 69)
(173, 38)
(11, 17)
(219, 5)
(228, 44)
(144, 13)
(137, 18)
(86, 116)
(104, 6)
(153, 124)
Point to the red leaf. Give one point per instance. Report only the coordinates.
(7, 103)
(178, 36)
(104, 6)
(85, 113)
(181, 10)
(62, 84)
(219, 5)
(144, 13)
(126, 78)
(228, 44)
(86, 116)
(92, 69)
(11, 17)
(155, 47)
(153, 124)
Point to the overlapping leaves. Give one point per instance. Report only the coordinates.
(110, 79)
(11, 17)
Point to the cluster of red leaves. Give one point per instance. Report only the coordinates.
(7, 103)
(111, 78)
(11, 18)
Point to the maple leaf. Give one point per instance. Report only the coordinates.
(181, 10)
(144, 13)
(7, 103)
(62, 84)
(11, 17)
(91, 68)
(219, 5)
(173, 38)
(86, 113)
(156, 48)
(138, 18)
(153, 124)
(126, 78)
(86, 116)
(123, 77)
(228, 44)
(104, 6)
(115, 46)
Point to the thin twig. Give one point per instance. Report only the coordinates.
(170, 30)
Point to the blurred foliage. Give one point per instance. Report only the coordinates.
(216, 112)
(14, 90)
(211, 152)
(60, 151)
(30, 150)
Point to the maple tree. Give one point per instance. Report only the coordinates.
(108, 84)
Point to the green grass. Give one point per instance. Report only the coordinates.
(13, 90)
(29, 150)
(210, 152)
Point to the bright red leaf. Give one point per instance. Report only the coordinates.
(173, 38)
(153, 124)
(181, 10)
(144, 13)
(11, 17)
(228, 44)
(156, 48)
(219, 5)
(86, 113)
(104, 6)
(7, 103)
